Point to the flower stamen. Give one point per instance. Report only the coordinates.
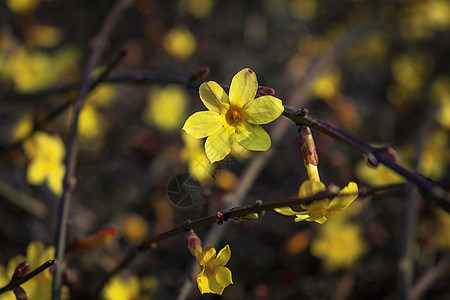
(233, 116)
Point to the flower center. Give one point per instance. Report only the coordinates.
(233, 116)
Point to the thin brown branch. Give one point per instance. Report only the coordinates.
(234, 213)
(376, 155)
(12, 284)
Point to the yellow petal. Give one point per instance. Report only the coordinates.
(36, 172)
(218, 145)
(341, 202)
(263, 110)
(320, 220)
(301, 217)
(214, 97)
(223, 257)
(223, 278)
(203, 282)
(310, 187)
(243, 87)
(55, 179)
(252, 137)
(286, 210)
(203, 124)
(208, 254)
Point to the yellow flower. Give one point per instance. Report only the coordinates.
(180, 43)
(22, 128)
(318, 209)
(22, 7)
(122, 288)
(40, 286)
(166, 107)
(339, 244)
(198, 164)
(234, 117)
(135, 228)
(30, 71)
(46, 154)
(197, 8)
(91, 124)
(214, 277)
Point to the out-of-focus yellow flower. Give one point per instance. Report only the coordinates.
(4, 280)
(46, 154)
(435, 155)
(40, 286)
(440, 92)
(22, 7)
(198, 164)
(226, 180)
(166, 107)
(22, 128)
(102, 96)
(443, 230)
(327, 85)
(91, 124)
(373, 47)
(214, 277)
(197, 8)
(44, 35)
(339, 244)
(122, 288)
(421, 19)
(409, 72)
(317, 210)
(66, 62)
(377, 176)
(30, 71)
(304, 9)
(134, 228)
(179, 42)
(234, 117)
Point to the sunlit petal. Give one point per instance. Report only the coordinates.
(223, 257)
(263, 110)
(214, 97)
(203, 123)
(252, 137)
(345, 197)
(286, 210)
(218, 145)
(223, 277)
(208, 254)
(243, 87)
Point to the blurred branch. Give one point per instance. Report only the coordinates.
(405, 271)
(12, 284)
(384, 155)
(99, 45)
(429, 278)
(23, 201)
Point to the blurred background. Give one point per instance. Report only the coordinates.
(377, 69)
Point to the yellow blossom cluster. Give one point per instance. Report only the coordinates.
(46, 153)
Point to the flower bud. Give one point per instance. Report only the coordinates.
(309, 153)
(193, 242)
(201, 73)
(265, 90)
(20, 293)
(21, 270)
